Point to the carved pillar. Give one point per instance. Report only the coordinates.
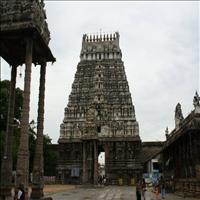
(106, 149)
(7, 162)
(23, 151)
(184, 158)
(190, 154)
(180, 144)
(84, 179)
(38, 169)
(91, 163)
(195, 152)
(95, 163)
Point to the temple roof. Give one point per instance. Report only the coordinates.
(150, 150)
(19, 20)
(191, 122)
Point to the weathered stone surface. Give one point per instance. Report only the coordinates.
(19, 20)
(178, 116)
(24, 39)
(21, 14)
(100, 116)
(181, 152)
(100, 97)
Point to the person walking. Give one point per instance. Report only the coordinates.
(138, 190)
(157, 190)
(144, 189)
(162, 187)
(20, 193)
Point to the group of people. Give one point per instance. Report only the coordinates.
(159, 188)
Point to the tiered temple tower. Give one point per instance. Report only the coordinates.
(100, 116)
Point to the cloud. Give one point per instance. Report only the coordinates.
(160, 47)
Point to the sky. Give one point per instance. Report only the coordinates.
(160, 50)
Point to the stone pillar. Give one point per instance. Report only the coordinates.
(95, 163)
(7, 162)
(90, 162)
(38, 168)
(185, 157)
(106, 149)
(192, 154)
(23, 151)
(85, 174)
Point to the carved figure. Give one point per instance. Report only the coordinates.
(178, 112)
(178, 115)
(196, 100)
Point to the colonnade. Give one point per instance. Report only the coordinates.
(22, 169)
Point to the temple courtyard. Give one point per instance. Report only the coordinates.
(69, 192)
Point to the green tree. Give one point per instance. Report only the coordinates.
(4, 96)
(49, 155)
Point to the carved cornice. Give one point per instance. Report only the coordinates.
(23, 14)
(189, 124)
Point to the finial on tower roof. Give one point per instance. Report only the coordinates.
(111, 37)
(104, 37)
(100, 37)
(167, 132)
(107, 37)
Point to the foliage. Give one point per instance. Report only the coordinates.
(4, 96)
(49, 156)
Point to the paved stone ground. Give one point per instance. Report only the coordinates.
(107, 193)
(48, 189)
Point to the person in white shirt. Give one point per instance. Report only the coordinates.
(20, 194)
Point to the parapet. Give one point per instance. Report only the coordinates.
(100, 37)
(100, 46)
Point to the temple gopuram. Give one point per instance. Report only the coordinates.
(99, 117)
